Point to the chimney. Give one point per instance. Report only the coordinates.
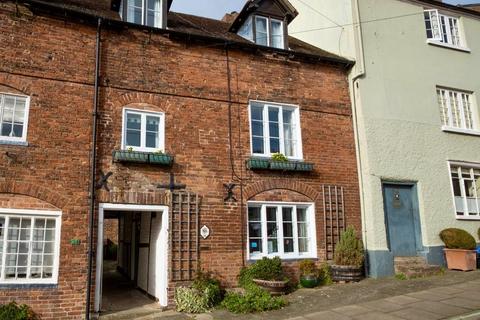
(230, 17)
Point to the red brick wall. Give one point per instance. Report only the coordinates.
(53, 62)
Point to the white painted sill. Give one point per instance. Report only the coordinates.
(461, 131)
(448, 46)
(469, 218)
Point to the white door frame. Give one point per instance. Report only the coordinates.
(102, 207)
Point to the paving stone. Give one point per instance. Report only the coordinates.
(464, 303)
(439, 308)
(382, 305)
(470, 295)
(448, 290)
(402, 300)
(416, 314)
(297, 318)
(376, 316)
(327, 315)
(429, 295)
(352, 310)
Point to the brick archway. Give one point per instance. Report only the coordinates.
(296, 186)
(142, 100)
(35, 191)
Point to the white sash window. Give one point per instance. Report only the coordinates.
(442, 28)
(466, 191)
(457, 109)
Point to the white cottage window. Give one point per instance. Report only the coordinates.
(457, 109)
(466, 191)
(275, 128)
(144, 12)
(443, 28)
(264, 31)
(286, 230)
(13, 117)
(29, 246)
(143, 130)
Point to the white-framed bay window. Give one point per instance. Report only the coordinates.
(13, 117)
(466, 190)
(443, 29)
(143, 130)
(29, 246)
(282, 229)
(458, 109)
(144, 12)
(275, 128)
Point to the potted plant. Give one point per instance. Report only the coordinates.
(348, 258)
(459, 249)
(308, 274)
(130, 156)
(257, 163)
(160, 158)
(267, 274)
(280, 162)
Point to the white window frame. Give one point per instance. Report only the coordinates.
(266, 130)
(158, 22)
(144, 114)
(252, 20)
(23, 138)
(310, 215)
(469, 166)
(18, 213)
(447, 110)
(435, 17)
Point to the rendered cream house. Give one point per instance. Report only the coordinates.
(415, 90)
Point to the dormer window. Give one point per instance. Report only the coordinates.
(145, 12)
(264, 31)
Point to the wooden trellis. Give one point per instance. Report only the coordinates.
(333, 217)
(184, 233)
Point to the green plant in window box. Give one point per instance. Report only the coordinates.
(130, 156)
(159, 157)
(257, 163)
(280, 162)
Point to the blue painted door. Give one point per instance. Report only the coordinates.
(400, 219)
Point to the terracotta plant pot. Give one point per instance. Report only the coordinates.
(275, 288)
(309, 281)
(459, 259)
(346, 273)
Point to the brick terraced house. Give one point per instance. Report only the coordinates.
(172, 121)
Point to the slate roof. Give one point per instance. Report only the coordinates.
(186, 24)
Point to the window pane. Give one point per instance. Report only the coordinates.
(255, 245)
(153, 123)
(134, 11)
(254, 214)
(134, 121)
(257, 112)
(274, 145)
(277, 34)
(255, 230)
(303, 245)
(154, 11)
(133, 138)
(261, 31)
(17, 131)
(301, 214)
(271, 213)
(257, 128)
(288, 245)
(152, 140)
(287, 230)
(302, 230)
(246, 30)
(274, 132)
(272, 245)
(6, 129)
(273, 114)
(257, 145)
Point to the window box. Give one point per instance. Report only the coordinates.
(258, 164)
(160, 158)
(304, 166)
(283, 165)
(130, 156)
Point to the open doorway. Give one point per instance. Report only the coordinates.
(132, 254)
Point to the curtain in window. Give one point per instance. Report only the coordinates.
(277, 34)
(154, 13)
(246, 31)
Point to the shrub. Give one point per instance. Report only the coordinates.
(279, 157)
(308, 268)
(264, 269)
(478, 233)
(325, 275)
(14, 311)
(349, 250)
(458, 239)
(204, 294)
(255, 299)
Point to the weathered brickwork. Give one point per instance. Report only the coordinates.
(52, 61)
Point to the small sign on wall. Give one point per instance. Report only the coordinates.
(205, 232)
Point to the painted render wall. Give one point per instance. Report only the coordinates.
(399, 124)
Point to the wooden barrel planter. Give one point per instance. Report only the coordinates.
(275, 288)
(346, 273)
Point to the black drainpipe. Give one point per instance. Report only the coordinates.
(93, 169)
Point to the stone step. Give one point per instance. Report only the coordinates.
(410, 261)
(415, 267)
(134, 313)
